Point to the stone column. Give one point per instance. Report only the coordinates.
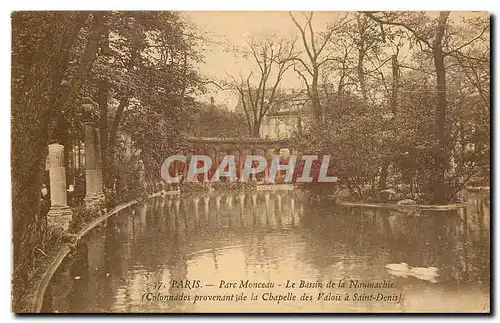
(215, 162)
(189, 155)
(59, 214)
(207, 173)
(98, 164)
(253, 177)
(269, 154)
(241, 163)
(91, 175)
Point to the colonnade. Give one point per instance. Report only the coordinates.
(217, 149)
(60, 214)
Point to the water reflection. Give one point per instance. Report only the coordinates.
(273, 236)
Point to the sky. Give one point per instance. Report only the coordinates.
(230, 30)
(225, 29)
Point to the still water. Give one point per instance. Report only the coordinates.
(274, 237)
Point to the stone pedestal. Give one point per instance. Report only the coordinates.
(59, 214)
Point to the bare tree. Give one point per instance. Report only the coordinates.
(259, 89)
(314, 45)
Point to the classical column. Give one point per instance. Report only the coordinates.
(98, 163)
(215, 163)
(189, 156)
(241, 163)
(269, 158)
(206, 174)
(91, 176)
(253, 177)
(59, 214)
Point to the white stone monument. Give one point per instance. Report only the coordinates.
(59, 214)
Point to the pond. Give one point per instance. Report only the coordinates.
(149, 257)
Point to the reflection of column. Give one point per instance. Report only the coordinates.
(196, 200)
(267, 195)
(206, 200)
(254, 207)
(279, 214)
(217, 208)
(170, 215)
(177, 228)
(91, 181)
(162, 212)
(229, 203)
(59, 214)
(80, 268)
(241, 197)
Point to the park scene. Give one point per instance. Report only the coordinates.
(154, 148)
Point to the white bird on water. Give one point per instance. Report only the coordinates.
(402, 266)
(403, 270)
(400, 270)
(423, 273)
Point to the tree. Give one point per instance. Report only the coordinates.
(314, 46)
(273, 58)
(431, 36)
(211, 120)
(42, 89)
(109, 67)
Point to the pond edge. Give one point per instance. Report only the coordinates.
(44, 281)
(444, 207)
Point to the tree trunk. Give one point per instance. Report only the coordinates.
(395, 80)
(441, 137)
(256, 128)
(316, 105)
(361, 74)
(102, 100)
(113, 133)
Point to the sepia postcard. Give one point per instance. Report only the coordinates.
(250, 162)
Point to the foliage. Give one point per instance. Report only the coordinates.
(82, 216)
(194, 187)
(217, 122)
(117, 69)
(383, 115)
